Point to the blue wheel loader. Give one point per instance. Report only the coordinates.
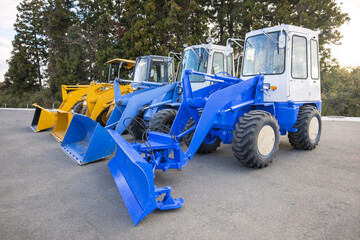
(153, 104)
(278, 93)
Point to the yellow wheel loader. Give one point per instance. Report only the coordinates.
(99, 99)
(71, 94)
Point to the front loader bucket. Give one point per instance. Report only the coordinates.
(62, 123)
(134, 178)
(43, 119)
(86, 141)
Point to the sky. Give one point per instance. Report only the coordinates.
(347, 53)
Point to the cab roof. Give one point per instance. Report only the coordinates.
(118, 60)
(286, 27)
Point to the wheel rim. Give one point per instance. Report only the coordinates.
(313, 128)
(103, 117)
(210, 139)
(266, 140)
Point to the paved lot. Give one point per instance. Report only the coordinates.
(302, 195)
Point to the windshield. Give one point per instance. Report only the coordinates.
(121, 70)
(197, 60)
(141, 70)
(263, 56)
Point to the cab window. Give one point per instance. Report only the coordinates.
(218, 63)
(314, 59)
(229, 64)
(298, 57)
(157, 73)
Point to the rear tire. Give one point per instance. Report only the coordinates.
(163, 120)
(102, 117)
(136, 126)
(78, 107)
(309, 129)
(210, 143)
(256, 139)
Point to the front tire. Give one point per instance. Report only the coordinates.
(102, 117)
(309, 129)
(78, 107)
(83, 111)
(210, 143)
(163, 120)
(256, 139)
(136, 127)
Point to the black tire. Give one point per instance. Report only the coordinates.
(102, 117)
(108, 115)
(162, 120)
(83, 111)
(303, 139)
(246, 136)
(136, 126)
(78, 107)
(210, 143)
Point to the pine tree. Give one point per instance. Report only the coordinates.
(29, 46)
(22, 75)
(59, 17)
(157, 27)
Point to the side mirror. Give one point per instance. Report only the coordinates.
(282, 40)
(228, 49)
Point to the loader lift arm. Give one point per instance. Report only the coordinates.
(134, 174)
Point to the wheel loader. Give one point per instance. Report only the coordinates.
(153, 105)
(98, 100)
(278, 94)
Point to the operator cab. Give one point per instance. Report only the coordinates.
(153, 68)
(119, 68)
(288, 58)
(206, 58)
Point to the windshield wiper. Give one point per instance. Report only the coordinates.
(197, 56)
(270, 37)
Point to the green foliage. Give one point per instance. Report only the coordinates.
(21, 76)
(341, 92)
(43, 98)
(160, 26)
(29, 49)
(67, 42)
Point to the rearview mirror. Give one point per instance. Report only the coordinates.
(228, 49)
(282, 40)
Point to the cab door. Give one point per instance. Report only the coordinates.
(315, 91)
(299, 77)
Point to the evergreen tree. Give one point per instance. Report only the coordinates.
(22, 74)
(157, 27)
(98, 21)
(29, 46)
(60, 15)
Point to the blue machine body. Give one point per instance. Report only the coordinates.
(215, 110)
(87, 141)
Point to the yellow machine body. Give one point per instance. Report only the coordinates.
(99, 97)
